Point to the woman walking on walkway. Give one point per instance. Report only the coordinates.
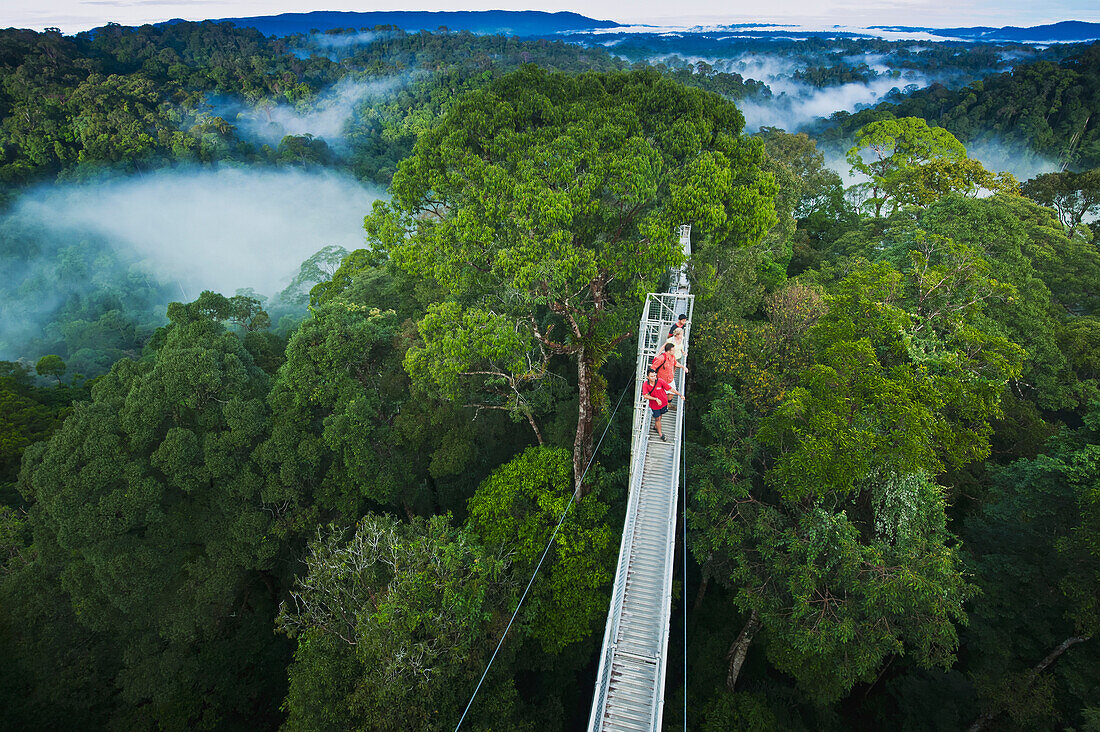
(677, 341)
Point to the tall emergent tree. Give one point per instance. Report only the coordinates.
(545, 206)
(910, 163)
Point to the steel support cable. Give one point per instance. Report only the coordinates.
(572, 499)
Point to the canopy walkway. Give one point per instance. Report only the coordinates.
(631, 679)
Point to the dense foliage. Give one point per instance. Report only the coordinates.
(1042, 109)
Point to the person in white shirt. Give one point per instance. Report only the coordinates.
(677, 341)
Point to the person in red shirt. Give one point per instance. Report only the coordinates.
(666, 364)
(656, 391)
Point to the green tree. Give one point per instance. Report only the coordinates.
(57, 673)
(149, 500)
(766, 356)
(1054, 278)
(51, 365)
(479, 359)
(317, 270)
(116, 119)
(546, 205)
(516, 509)
(816, 186)
(820, 513)
(1072, 195)
(1033, 549)
(27, 414)
(247, 313)
(350, 432)
(910, 163)
(304, 150)
(332, 446)
(395, 623)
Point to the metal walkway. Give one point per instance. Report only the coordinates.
(631, 680)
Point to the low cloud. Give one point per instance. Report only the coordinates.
(768, 69)
(1015, 159)
(348, 40)
(797, 105)
(218, 230)
(794, 103)
(72, 253)
(326, 117)
(761, 67)
(836, 160)
(337, 46)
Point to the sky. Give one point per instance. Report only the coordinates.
(72, 16)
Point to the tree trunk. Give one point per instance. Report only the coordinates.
(535, 427)
(586, 417)
(703, 585)
(1068, 643)
(701, 593)
(740, 649)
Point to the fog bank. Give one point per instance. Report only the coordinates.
(795, 103)
(218, 230)
(1021, 162)
(326, 117)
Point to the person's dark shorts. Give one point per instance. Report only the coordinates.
(658, 412)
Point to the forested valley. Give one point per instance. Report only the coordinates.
(316, 506)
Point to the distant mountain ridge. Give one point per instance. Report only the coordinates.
(539, 23)
(506, 22)
(1065, 32)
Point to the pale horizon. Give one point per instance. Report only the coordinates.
(73, 16)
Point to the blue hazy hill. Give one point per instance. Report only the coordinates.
(506, 22)
(1067, 31)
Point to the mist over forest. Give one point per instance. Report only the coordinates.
(310, 340)
(326, 116)
(208, 229)
(135, 243)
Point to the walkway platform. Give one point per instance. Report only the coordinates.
(630, 684)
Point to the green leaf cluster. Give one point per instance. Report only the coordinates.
(395, 622)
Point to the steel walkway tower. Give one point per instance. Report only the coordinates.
(631, 679)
